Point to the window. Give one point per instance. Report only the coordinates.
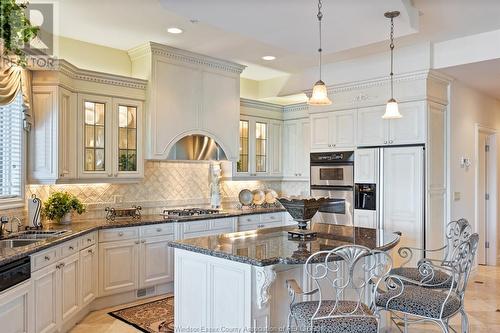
(11, 154)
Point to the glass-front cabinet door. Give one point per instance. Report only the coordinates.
(127, 127)
(110, 138)
(95, 118)
(254, 141)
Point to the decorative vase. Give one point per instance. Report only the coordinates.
(66, 219)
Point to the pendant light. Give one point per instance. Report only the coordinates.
(392, 109)
(319, 94)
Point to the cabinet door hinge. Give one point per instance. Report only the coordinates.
(487, 196)
(487, 245)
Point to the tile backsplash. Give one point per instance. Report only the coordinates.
(165, 184)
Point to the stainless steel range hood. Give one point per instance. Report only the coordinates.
(196, 148)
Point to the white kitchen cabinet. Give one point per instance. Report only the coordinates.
(69, 286)
(372, 129)
(188, 93)
(16, 309)
(365, 218)
(155, 262)
(46, 289)
(260, 221)
(208, 227)
(375, 131)
(296, 136)
(118, 266)
(110, 138)
(366, 166)
(89, 271)
(68, 144)
(258, 139)
(333, 130)
(52, 139)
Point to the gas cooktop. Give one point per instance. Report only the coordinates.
(187, 212)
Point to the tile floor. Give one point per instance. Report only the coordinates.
(482, 302)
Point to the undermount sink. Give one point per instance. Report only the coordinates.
(38, 234)
(11, 243)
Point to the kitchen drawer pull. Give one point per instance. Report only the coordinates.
(158, 230)
(47, 258)
(90, 251)
(143, 241)
(71, 248)
(120, 233)
(136, 242)
(89, 240)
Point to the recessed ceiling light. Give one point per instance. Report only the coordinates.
(174, 30)
(268, 58)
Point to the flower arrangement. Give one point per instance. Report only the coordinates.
(60, 205)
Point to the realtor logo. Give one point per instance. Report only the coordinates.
(42, 16)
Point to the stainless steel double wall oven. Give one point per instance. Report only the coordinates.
(332, 176)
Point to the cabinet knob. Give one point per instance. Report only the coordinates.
(110, 174)
(89, 240)
(391, 141)
(158, 230)
(136, 242)
(143, 241)
(120, 233)
(71, 248)
(385, 142)
(116, 174)
(61, 175)
(90, 251)
(47, 258)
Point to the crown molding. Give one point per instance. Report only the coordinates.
(252, 103)
(296, 107)
(381, 81)
(75, 73)
(152, 48)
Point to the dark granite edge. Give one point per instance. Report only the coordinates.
(100, 224)
(266, 262)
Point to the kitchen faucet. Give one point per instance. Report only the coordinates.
(3, 222)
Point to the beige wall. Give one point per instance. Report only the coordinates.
(94, 57)
(468, 107)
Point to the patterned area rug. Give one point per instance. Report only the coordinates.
(152, 317)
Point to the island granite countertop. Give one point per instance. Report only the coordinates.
(272, 246)
(81, 227)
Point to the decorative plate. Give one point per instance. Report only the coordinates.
(245, 197)
(271, 196)
(259, 197)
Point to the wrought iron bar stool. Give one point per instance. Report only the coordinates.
(342, 286)
(456, 233)
(414, 301)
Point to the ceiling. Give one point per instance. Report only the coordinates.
(483, 76)
(244, 31)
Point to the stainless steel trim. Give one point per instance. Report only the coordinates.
(380, 189)
(348, 175)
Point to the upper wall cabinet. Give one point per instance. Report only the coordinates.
(87, 127)
(188, 94)
(375, 131)
(333, 130)
(296, 140)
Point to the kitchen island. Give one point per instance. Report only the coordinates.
(236, 282)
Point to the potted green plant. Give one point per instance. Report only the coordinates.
(16, 31)
(60, 206)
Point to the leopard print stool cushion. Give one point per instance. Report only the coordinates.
(420, 301)
(441, 280)
(304, 311)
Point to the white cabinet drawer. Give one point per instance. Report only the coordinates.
(70, 247)
(157, 230)
(225, 224)
(88, 240)
(271, 217)
(118, 234)
(196, 226)
(45, 258)
(248, 220)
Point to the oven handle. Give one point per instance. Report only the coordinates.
(333, 188)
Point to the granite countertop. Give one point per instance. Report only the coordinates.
(271, 246)
(81, 227)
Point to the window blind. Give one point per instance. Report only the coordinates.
(11, 149)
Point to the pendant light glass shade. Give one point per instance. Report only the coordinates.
(319, 94)
(392, 110)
